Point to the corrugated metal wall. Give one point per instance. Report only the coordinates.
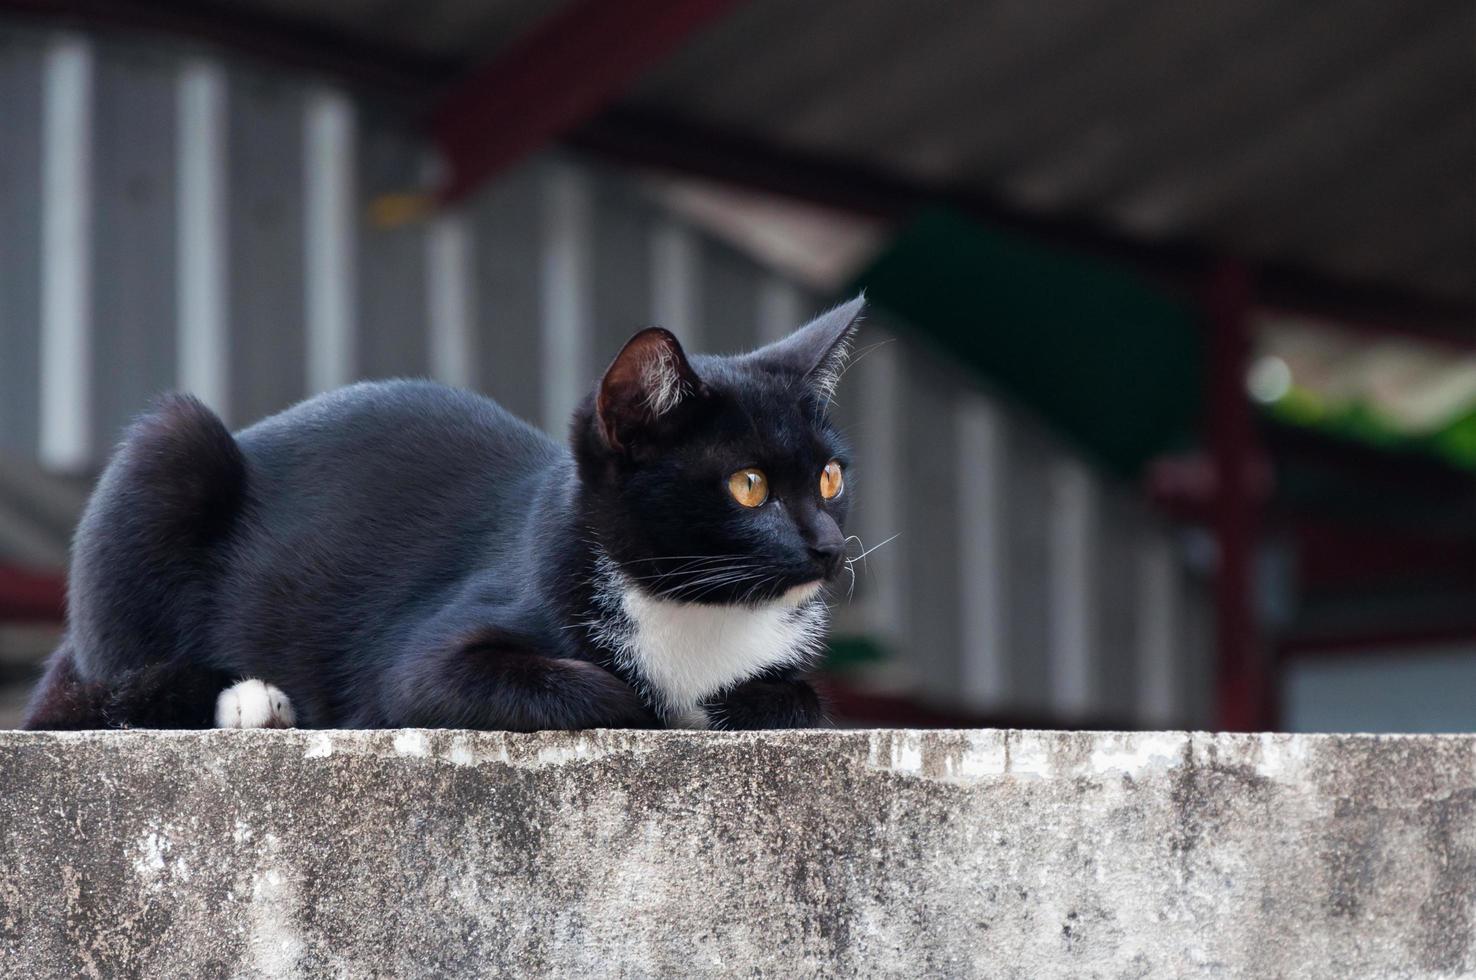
(173, 220)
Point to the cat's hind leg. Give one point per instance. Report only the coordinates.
(170, 694)
(140, 597)
(253, 704)
(151, 544)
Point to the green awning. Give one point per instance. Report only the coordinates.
(1114, 363)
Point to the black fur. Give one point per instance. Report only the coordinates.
(405, 554)
(774, 700)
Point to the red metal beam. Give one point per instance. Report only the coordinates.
(557, 76)
(1340, 644)
(1333, 556)
(1241, 679)
(31, 597)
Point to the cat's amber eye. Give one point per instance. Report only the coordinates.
(832, 480)
(749, 487)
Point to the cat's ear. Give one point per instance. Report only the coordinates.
(818, 350)
(647, 380)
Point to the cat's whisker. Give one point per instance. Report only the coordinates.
(716, 575)
(634, 561)
(763, 583)
(711, 587)
(710, 559)
(678, 572)
(862, 556)
(689, 567)
(716, 579)
(701, 566)
(712, 569)
(751, 589)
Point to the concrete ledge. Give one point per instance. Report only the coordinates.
(984, 853)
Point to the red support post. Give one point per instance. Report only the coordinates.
(1242, 701)
(569, 67)
(31, 597)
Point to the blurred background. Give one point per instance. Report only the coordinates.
(1166, 407)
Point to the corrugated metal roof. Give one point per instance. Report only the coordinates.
(1333, 135)
(1336, 135)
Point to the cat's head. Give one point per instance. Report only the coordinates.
(720, 479)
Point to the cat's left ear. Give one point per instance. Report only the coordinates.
(648, 379)
(818, 350)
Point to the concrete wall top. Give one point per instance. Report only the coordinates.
(887, 853)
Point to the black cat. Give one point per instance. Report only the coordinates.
(404, 554)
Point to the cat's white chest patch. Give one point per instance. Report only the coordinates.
(686, 652)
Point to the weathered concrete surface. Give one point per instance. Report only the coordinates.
(998, 854)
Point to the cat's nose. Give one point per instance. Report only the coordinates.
(826, 543)
(828, 556)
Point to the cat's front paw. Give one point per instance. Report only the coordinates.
(762, 703)
(253, 704)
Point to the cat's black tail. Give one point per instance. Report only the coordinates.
(146, 552)
(159, 695)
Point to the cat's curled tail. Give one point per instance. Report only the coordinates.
(144, 564)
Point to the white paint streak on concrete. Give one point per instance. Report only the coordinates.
(1281, 757)
(1137, 754)
(557, 755)
(274, 940)
(907, 754)
(459, 755)
(149, 864)
(984, 758)
(1029, 755)
(411, 742)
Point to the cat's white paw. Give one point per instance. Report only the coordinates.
(253, 704)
